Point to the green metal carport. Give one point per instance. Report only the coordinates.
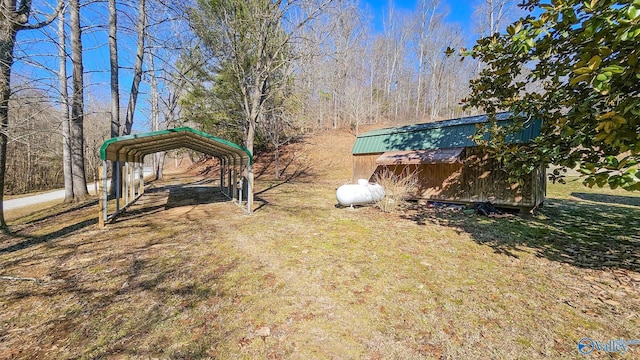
(129, 152)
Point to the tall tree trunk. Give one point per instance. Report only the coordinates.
(115, 86)
(77, 105)
(255, 100)
(158, 158)
(137, 71)
(64, 100)
(12, 20)
(113, 62)
(7, 40)
(13, 17)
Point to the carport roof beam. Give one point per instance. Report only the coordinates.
(135, 147)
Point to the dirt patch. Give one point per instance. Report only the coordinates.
(178, 163)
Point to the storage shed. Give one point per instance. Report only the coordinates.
(449, 165)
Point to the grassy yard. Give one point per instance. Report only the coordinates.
(184, 274)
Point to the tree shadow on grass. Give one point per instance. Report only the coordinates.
(587, 235)
(30, 240)
(59, 210)
(608, 199)
(194, 195)
(167, 197)
(141, 298)
(265, 160)
(190, 194)
(304, 174)
(130, 295)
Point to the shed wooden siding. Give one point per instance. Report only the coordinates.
(364, 165)
(477, 179)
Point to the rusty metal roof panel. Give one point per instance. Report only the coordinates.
(417, 157)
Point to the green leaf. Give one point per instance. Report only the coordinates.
(589, 78)
(624, 36)
(612, 162)
(616, 69)
(582, 70)
(530, 42)
(594, 62)
(579, 78)
(631, 172)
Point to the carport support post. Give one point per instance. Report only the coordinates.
(100, 190)
(105, 192)
(241, 184)
(229, 194)
(221, 173)
(249, 189)
(141, 179)
(132, 182)
(234, 194)
(118, 185)
(134, 177)
(227, 177)
(126, 183)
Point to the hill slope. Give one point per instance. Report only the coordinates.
(185, 274)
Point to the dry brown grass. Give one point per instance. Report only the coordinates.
(31, 211)
(185, 275)
(398, 189)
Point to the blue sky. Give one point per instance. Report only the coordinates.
(97, 55)
(459, 11)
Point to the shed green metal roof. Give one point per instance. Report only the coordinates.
(455, 133)
(135, 147)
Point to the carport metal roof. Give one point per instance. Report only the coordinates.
(133, 148)
(130, 151)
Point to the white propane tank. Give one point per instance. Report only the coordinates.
(359, 194)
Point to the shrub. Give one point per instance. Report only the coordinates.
(398, 188)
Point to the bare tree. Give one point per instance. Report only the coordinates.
(33, 150)
(167, 37)
(77, 105)
(427, 18)
(313, 69)
(15, 17)
(158, 158)
(64, 102)
(492, 15)
(137, 71)
(114, 69)
(96, 132)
